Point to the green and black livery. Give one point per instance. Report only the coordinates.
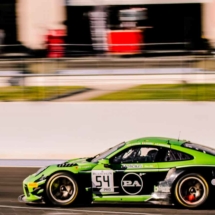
(147, 170)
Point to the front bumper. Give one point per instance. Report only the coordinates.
(33, 190)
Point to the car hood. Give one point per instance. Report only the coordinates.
(74, 165)
(79, 164)
(78, 160)
(74, 162)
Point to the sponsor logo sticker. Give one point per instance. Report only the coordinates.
(156, 189)
(132, 184)
(132, 166)
(161, 189)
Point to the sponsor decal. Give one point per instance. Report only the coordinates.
(160, 144)
(148, 166)
(132, 166)
(155, 188)
(161, 189)
(132, 184)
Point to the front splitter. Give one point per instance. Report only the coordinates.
(23, 199)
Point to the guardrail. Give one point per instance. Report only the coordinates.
(105, 61)
(109, 64)
(24, 74)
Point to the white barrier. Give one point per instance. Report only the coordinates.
(67, 130)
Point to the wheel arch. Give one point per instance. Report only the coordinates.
(61, 171)
(181, 200)
(58, 172)
(46, 195)
(207, 175)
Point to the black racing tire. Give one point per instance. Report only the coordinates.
(61, 189)
(191, 191)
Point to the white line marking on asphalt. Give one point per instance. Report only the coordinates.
(75, 210)
(60, 213)
(5, 166)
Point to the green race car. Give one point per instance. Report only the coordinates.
(147, 170)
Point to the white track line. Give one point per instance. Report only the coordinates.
(5, 166)
(61, 213)
(75, 210)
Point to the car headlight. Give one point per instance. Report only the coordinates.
(40, 170)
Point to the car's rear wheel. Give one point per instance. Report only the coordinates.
(62, 189)
(191, 191)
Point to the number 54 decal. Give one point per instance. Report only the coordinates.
(103, 180)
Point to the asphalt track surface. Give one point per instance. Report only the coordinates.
(11, 187)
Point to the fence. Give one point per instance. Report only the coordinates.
(52, 65)
(137, 78)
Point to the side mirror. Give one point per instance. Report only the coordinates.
(104, 161)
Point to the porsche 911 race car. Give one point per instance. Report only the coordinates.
(151, 170)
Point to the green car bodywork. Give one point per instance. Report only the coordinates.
(146, 181)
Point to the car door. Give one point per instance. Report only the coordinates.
(132, 172)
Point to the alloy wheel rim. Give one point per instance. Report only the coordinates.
(192, 190)
(62, 189)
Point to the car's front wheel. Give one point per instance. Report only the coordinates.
(191, 191)
(61, 189)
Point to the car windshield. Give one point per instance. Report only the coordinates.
(106, 153)
(201, 148)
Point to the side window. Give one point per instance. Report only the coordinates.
(173, 155)
(136, 155)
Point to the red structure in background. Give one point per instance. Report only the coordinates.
(125, 41)
(55, 41)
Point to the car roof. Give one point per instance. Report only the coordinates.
(157, 141)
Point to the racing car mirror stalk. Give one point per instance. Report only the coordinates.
(105, 162)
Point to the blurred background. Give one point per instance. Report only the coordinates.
(70, 62)
(81, 50)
